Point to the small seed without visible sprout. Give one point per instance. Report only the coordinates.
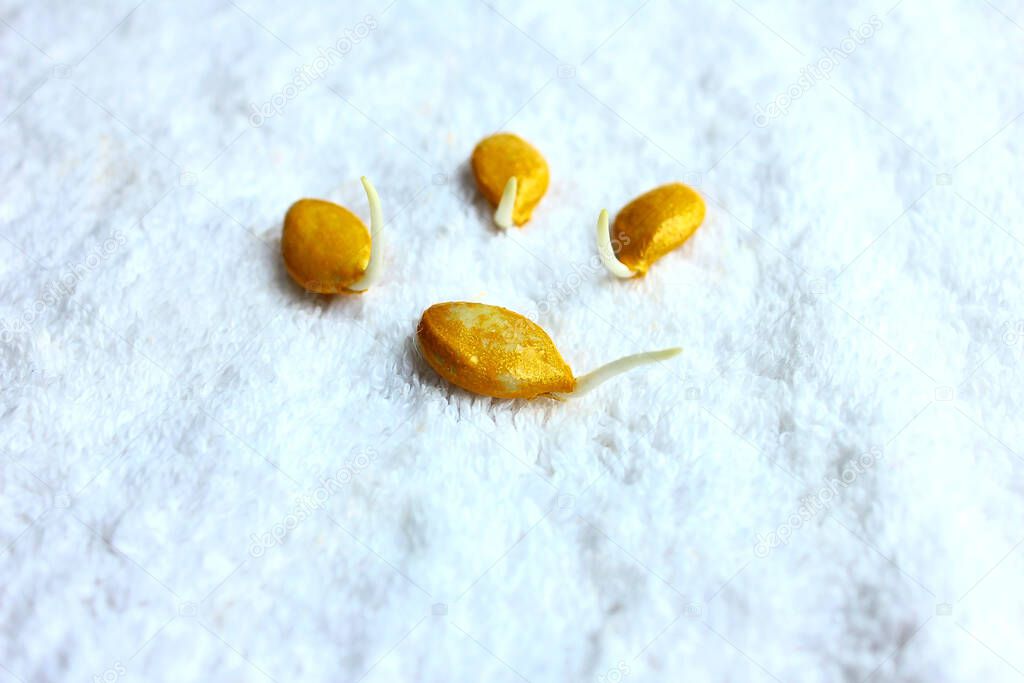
(512, 175)
(328, 250)
(496, 352)
(649, 227)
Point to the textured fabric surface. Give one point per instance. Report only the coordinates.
(208, 474)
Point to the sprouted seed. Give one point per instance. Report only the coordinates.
(512, 175)
(649, 227)
(496, 352)
(328, 250)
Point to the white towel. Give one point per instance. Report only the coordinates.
(208, 474)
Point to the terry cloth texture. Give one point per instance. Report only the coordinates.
(208, 474)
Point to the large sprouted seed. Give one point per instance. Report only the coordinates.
(328, 250)
(496, 352)
(512, 175)
(647, 228)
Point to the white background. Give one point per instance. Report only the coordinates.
(172, 402)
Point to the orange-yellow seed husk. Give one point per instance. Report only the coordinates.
(655, 223)
(325, 247)
(502, 156)
(492, 351)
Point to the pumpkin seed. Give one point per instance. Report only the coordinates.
(512, 175)
(328, 250)
(496, 352)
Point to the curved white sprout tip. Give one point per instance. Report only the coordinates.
(590, 381)
(605, 250)
(503, 214)
(373, 269)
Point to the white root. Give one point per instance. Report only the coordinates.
(605, 250)
(374, 268)
(590, 381)
(503, 214)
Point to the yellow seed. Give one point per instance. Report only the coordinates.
(649, 227)
(512, 175)
(493, 351)
(327, 249)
